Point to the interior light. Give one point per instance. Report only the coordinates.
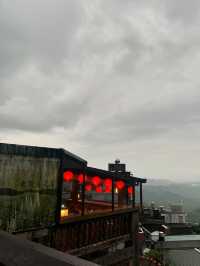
(64, 213)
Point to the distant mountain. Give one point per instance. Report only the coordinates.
(159, 182)
(164, 192)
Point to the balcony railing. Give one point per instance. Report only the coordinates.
(84, 231)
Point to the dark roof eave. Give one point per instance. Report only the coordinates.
(37, 151)
(119, 175)
(139, 179)
(72, 155)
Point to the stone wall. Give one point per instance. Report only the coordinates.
(28, 191)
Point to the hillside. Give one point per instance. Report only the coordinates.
(163, 193)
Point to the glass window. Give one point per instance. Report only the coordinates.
(71, 194)
(121, 194)
(98, 194)
(131, 192)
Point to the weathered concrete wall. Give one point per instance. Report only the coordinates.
(20, 252)
(28, 188)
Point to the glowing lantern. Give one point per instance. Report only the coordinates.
(108, 185)
(107, 189)
(88, 187)
(96, 180)
(64, 213)
(130, 190)
(108, 182)
(99, 189)
(120, 184)
(80, 178)
(68, 175)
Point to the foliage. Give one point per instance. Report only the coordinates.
(155, 254)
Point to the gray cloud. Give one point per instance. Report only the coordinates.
(103, 78)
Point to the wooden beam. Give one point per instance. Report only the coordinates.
(113, 194)
(83, 196)
(141, 198)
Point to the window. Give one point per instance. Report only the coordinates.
(98, 194)
(71, 194)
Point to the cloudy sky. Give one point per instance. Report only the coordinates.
(104, 79)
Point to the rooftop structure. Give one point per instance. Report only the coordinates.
(51, 196)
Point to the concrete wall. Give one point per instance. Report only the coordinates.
(20, 252)
(28, 187)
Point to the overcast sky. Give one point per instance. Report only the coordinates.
(104, 79)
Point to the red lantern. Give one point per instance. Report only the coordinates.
(108, 182)
(108, 189)
(96, 180)
(67, 176)
(99, 189)
(130, 190)
(88, 187)
(120, 184)
(80, 178)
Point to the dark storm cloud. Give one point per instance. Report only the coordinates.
(113, 72)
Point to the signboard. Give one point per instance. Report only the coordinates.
(117, 167)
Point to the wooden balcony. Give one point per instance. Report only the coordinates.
(85, 231)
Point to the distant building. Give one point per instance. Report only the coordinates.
(174, 214)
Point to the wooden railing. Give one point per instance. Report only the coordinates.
(88, 230)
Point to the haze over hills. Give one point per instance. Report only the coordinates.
(164, 192)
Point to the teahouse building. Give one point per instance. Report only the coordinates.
(51, 196)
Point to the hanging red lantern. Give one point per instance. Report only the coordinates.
(68, 176)
(88, 187)
(96, 180)
(130, 190)
(80, 178)
(120, 184)
(108, 189)
(108, 182)
(99, 189)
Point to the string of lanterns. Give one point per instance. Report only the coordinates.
(96, 183)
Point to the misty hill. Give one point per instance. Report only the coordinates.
(163, 193)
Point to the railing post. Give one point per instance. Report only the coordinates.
(134, 230)
(133, 197)
(141, 198)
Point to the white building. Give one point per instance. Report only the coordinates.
(174, 214)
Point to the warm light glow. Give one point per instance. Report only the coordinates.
(108, 189)
(99, 189)
(130, 190)
(120, 184)
(68, 175)
(88, 187)
(96, 180)
(78, 196)
(108, 182)
(116, 190)
(64, 213)
(80, 178)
